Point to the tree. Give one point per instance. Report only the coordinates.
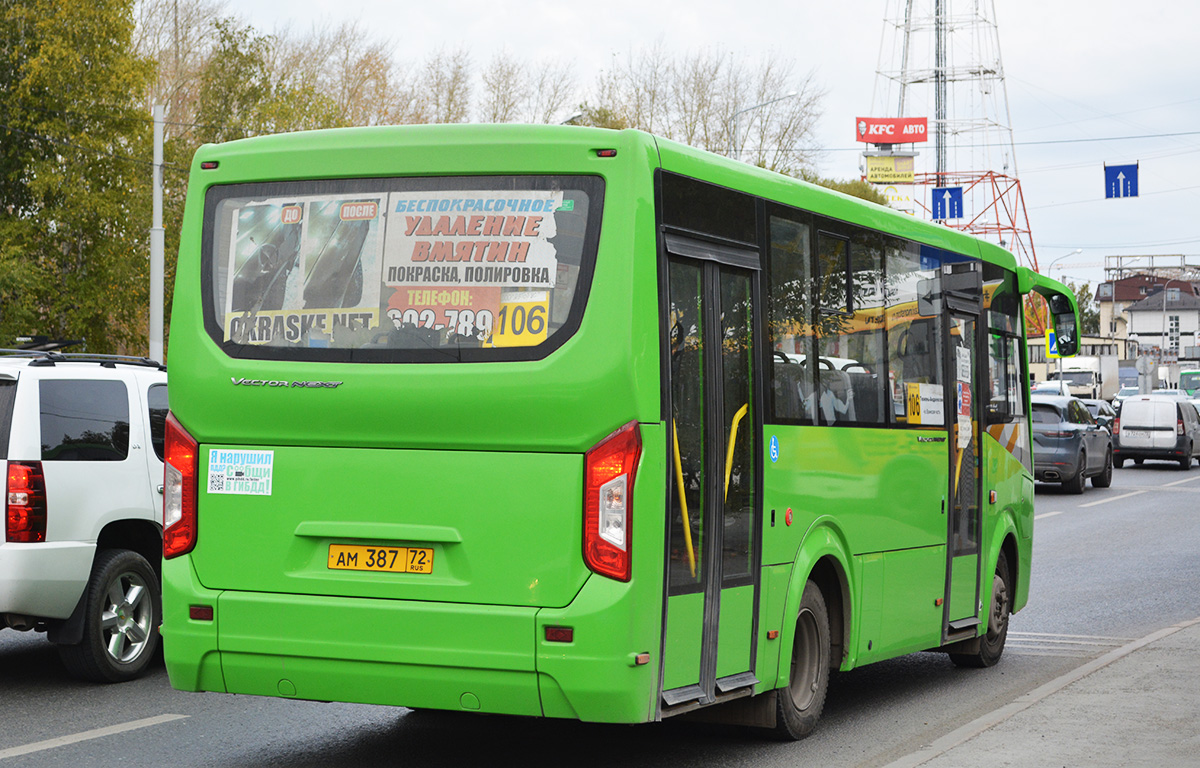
(74, 196)
(1089, 309)
(852, 187)
(242, 95)
(516, 91)
(710, 100)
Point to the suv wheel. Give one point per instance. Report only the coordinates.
(1104, 479)
(1185, 463)
(1075, 484)
(121, 619)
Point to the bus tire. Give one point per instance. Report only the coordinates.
(799, 705)
(991, 645)
(120, 638)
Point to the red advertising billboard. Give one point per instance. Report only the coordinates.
(891, 130)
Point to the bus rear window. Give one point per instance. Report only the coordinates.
(402, 269)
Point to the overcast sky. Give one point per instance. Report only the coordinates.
(1077, 73)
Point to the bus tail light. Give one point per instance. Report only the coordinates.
(25, 508)
(609, 469)
(179, 502)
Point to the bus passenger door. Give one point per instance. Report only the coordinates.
(961, 289)
(712, 507)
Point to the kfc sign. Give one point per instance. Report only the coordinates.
(891, 130)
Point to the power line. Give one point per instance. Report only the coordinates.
(1093, 200)
(1049, 142)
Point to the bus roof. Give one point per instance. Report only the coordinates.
(328, 153)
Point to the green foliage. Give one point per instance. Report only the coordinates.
(600, 117)
(74, 193)
(1089, 309)
(240, 97)
(853, 187)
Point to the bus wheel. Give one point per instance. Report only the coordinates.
(991, 645)
(798, 707)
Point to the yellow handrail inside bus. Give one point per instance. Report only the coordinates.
(687, 523)
(737, 418)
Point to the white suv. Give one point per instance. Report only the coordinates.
(81, 439)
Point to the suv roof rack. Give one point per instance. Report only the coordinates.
(42, 358)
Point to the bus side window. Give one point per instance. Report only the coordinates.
(789, 313)
(851, 348)
(914, 340)
(1006, 402)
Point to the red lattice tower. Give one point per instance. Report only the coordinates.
(940, 59)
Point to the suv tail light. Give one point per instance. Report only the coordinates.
(1117, 426)
(1179, 427)
(609, 469)
(25, 509)
(179, 502)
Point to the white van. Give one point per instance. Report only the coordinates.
(1156, 427)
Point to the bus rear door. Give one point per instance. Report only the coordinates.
(713, 538)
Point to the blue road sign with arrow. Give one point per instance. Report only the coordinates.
(1120, 180)
(947, 203)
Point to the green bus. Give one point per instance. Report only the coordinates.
(1189, 382)
(468, 350)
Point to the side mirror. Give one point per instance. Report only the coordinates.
(1062, 313)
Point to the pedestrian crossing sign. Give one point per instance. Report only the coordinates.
(1052, 345)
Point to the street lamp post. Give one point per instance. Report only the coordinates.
(733, 121)
(1163, 343)
(1060, 258)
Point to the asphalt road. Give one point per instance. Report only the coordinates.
(1110, 566)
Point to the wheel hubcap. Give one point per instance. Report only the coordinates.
(126, 619)
(805, 662)
(999, 618)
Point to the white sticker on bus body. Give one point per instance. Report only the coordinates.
(240, 472)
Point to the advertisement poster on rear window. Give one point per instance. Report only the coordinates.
(304, 269)
(466, 260)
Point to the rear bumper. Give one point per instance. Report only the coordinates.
(408, 653)
(1054, 466)
(44, 580)
(1166, 452)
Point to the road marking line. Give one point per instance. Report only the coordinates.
(1047, 641)
(1181, 482)
(1108, 501)
(1076, 637)
(977, 726)
(97, 733)
(1047, 514)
